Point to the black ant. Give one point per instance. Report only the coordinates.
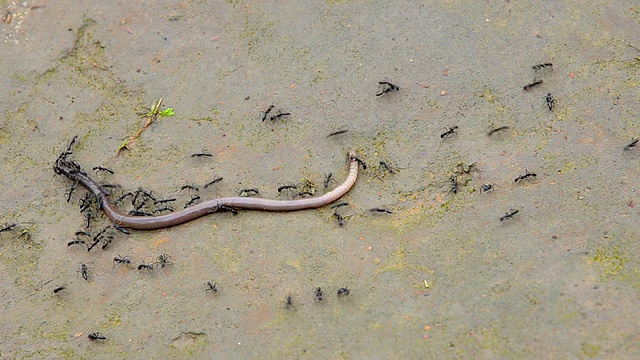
(327, 180)
(385, 166)
(102, 168)
(203, 154)
(385, 87)
(121, 198)
(148, 267)
(194, 198)
(319, 295)
(381, 211)
(487, 187)
(121, 260)
(87, 216)
(248, 192)
(287, 187)
(123, 230)
(339, 205)
(289, 302)
(212, 287)
(526, 175)
(228, 209)
(8, 227)
(362, 163)
(454, 184)
(501, 128)
(634, 143)
(279, 115)
(164, 201)
(71, 190)
(140, 213)
(59, 289)
(189, 187)
(551, 101)
(339, 218)
(541, 66)
(343, 292)
(337, 133)
(509, 215)
(84, 271)
(265, 113)
(212, 182)
(529, 86)
(451, 131)
(163, 260)
(96, 336)
(76, 242)
(166, 208)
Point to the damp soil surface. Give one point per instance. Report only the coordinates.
(438, 275)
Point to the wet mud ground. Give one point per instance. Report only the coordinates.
(558, 280)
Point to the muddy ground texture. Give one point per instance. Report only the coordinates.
(439, 276)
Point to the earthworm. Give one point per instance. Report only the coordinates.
(73, 171)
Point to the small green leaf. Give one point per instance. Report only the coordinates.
(166, 112)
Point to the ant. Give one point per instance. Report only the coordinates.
(84, 271)
(102, 168)
(339, 218)
(551, 101)
(509, 215)
(140, 213)
(289, 301)
(526, 175)
(121, 260)
(123, 230)
(59, 289)
(121, 198)
(164, 201)
(248, 192)
(8, 227)
(76, 242)
(145, 193)
(96, 336)
(327, 179)
(634, 143)
(454, 184)
(385, 166)
(279, 115)
(337, 133)
(189, 187)
(385, 87)
(529, 86)
(212, 182)
(228, 209)
(541, 66)
(71, 190)
(362, 163)
(202, 154)
(263, 117)
(501, 128)
(339, 205)
(88, 217)
(166, 208)
(287, 187)
(194, 198)
(380, 210)
(343, 292)
(450, 132)
(212, 287)
(148, 267)
(487, 187)
(163, 260)
(319, 295)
